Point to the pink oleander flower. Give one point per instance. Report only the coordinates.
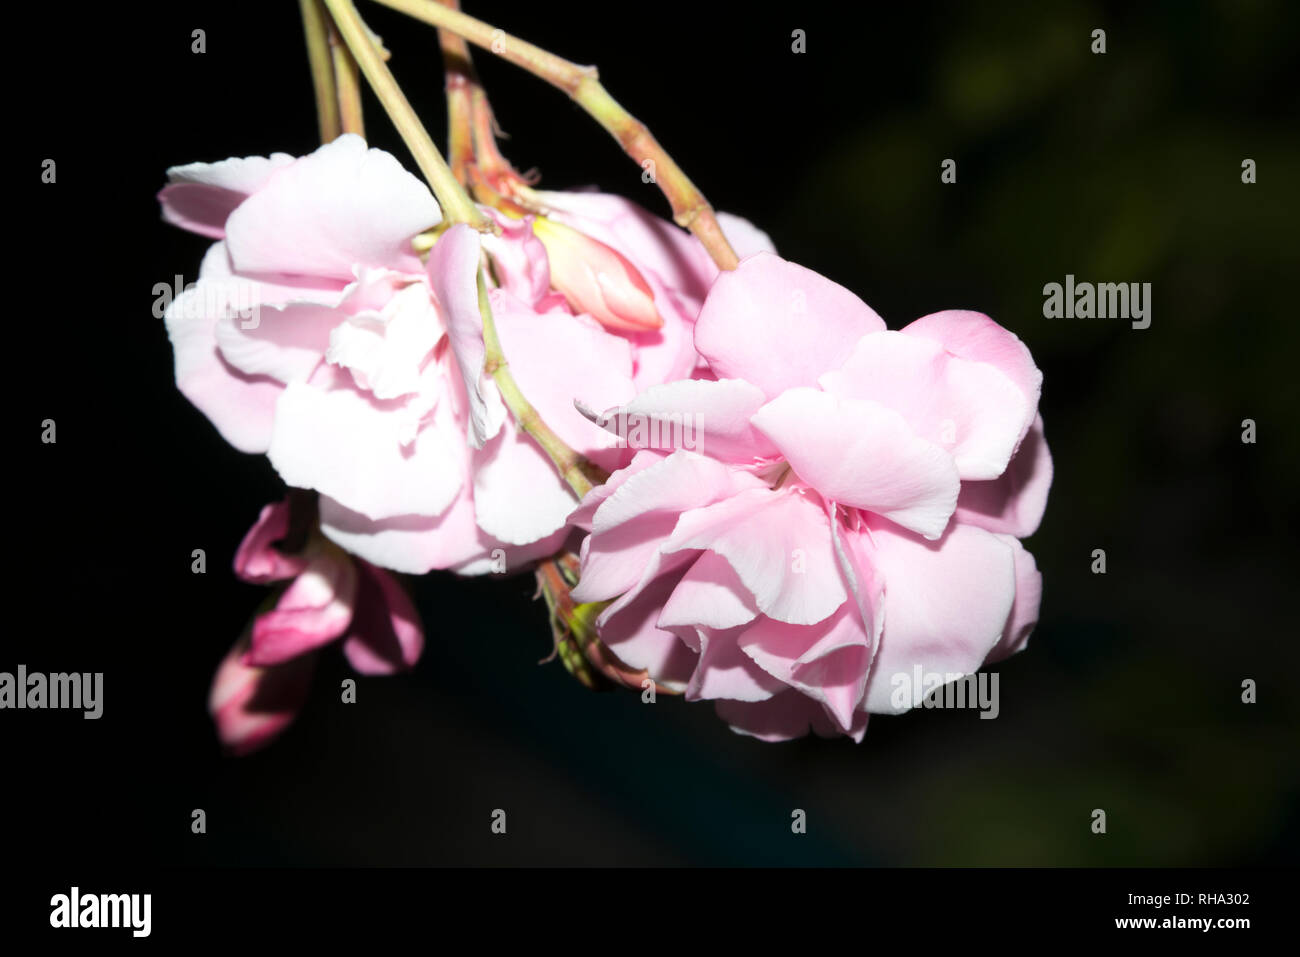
(262, 683)
(317, 335)
(849, 508)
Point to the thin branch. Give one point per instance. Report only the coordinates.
(580, 474)
(690, 209)
(315, 24)
(455, 202)
(348, 79)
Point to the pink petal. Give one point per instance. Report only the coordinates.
(201, 196)
(638, 516)
(1024, 612)
(350, 447)
(257, 559)
(785, 717)
(1014, 502)
(709, 596)
(779, 543)
(386, 349)
(827, 661)
(286, 344)
(453, 272)
(556, 359)
(585, 513)
(946, 605)
(860, 453)
(519, 259)
(311, 612)
(725, 671)
(242, 407)
(973, 335)
(709, 417)
(341, 206)
(970, 409)
(855, 551)
(518, 495)
(628, 626)
(767, 309)
(415, 544)
(385, 635)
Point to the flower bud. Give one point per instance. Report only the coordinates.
(573, 626)
(596, 279)
(251, 706)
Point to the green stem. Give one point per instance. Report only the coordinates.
(455, 202)
(580, 474)
(315, 26)
(690, 209)
(348, 81)
(460, 83)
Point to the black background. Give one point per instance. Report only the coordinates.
(1121, 167)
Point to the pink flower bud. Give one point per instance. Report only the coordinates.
(596, 279)
(251, 706)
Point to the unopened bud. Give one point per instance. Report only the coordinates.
(596, 279)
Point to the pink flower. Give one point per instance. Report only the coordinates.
(317, 335)
(262, 683)
(848, 509)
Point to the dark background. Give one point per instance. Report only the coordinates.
(1119, 167)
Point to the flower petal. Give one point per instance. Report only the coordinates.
(970, 409)
(314, 610)
(974, 336)
(639, 515)
(709, 596)
(785, 717)
(285, 344)
(416, 544)
(860, 453)
(257, 560)
(200, 197)
(453, 272)
(724, 671)
(348, 446)
(711, 417)
(386, 349)
(946, 606)
(1014, 502)
(242, 407)
(385, 635)
(827, 661)
(779, 543)
(628, 625)
(1024, 611)
(340, 206)
(557, 358)
(518, 495)
(768, 308)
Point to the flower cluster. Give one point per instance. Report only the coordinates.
(732, 480)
